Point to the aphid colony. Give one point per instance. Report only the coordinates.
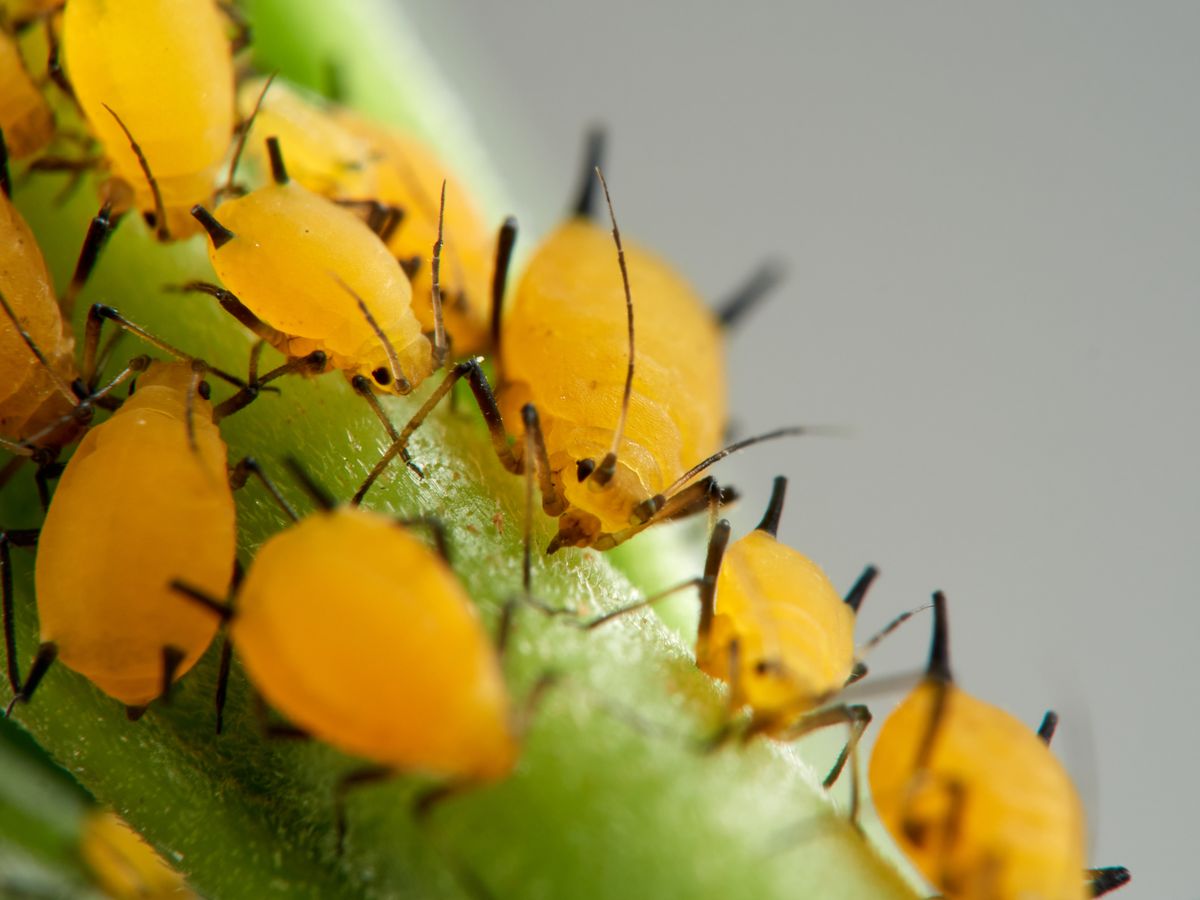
(360, 253)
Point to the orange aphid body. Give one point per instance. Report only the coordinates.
(359, 633)
(1019, 826)
(565, 349)
(30, 398)
(794, 632)
(124, 865)
(25, 117)
(166, 69)
(343, 156)
(136, 507)
(290, 247)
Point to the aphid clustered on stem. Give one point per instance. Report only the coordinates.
(336, 243)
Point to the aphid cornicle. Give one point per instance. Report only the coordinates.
(160, 74)
(147, 495)
(776, 630)
(616, 422)
(361, 635)
(975, 798)
(358, 164)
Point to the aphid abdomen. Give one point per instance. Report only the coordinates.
(135, 508)
(166, 69)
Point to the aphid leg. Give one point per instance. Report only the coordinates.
(276, 730)
(46, 654)
(381, 218)
(222, 691)
(54, 62)
(99, 314)
(363, 388)
(100, 229)
(319, 493)
(440, 346)
(313, 364)
(134, 713)
(345, 784)
(232, 305)
(856, 718)
(22, 538)
(746, 297)
(692, 500)
(1109, 878)
(730, 724)
(436, 527)
(248, 466)
(242, 30)
(506, 238)
(644, 603)
(523, 719)
(172, 659)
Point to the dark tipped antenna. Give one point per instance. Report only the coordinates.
(244, 134)
(160, 213)
(939, 648)
(791, 431)
(278, 171)
(770, 519)
(440, 347)
(593, 157)
(604, 473)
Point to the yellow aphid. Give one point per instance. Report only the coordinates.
(362, 636)
(310, 277)
(617, 425)
(408, 177)
(25, 117)
(124, 865)
(777, 630)
(565, 349)
(347, 158)
(33, 395)
(146, 497)
(161, 74)
(359, 633)
(975, 798)
(774, 628)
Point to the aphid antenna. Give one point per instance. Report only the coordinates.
(243, 135)
(395, 375)
(160, 213)
(608, 466)
(440, 346)
(59, 382)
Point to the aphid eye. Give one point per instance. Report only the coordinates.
(584, 468)
(204, 390)
(762, 667)
(382, 376)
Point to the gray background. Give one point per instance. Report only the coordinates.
(989, 218)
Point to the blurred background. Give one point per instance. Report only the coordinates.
(989, 221)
